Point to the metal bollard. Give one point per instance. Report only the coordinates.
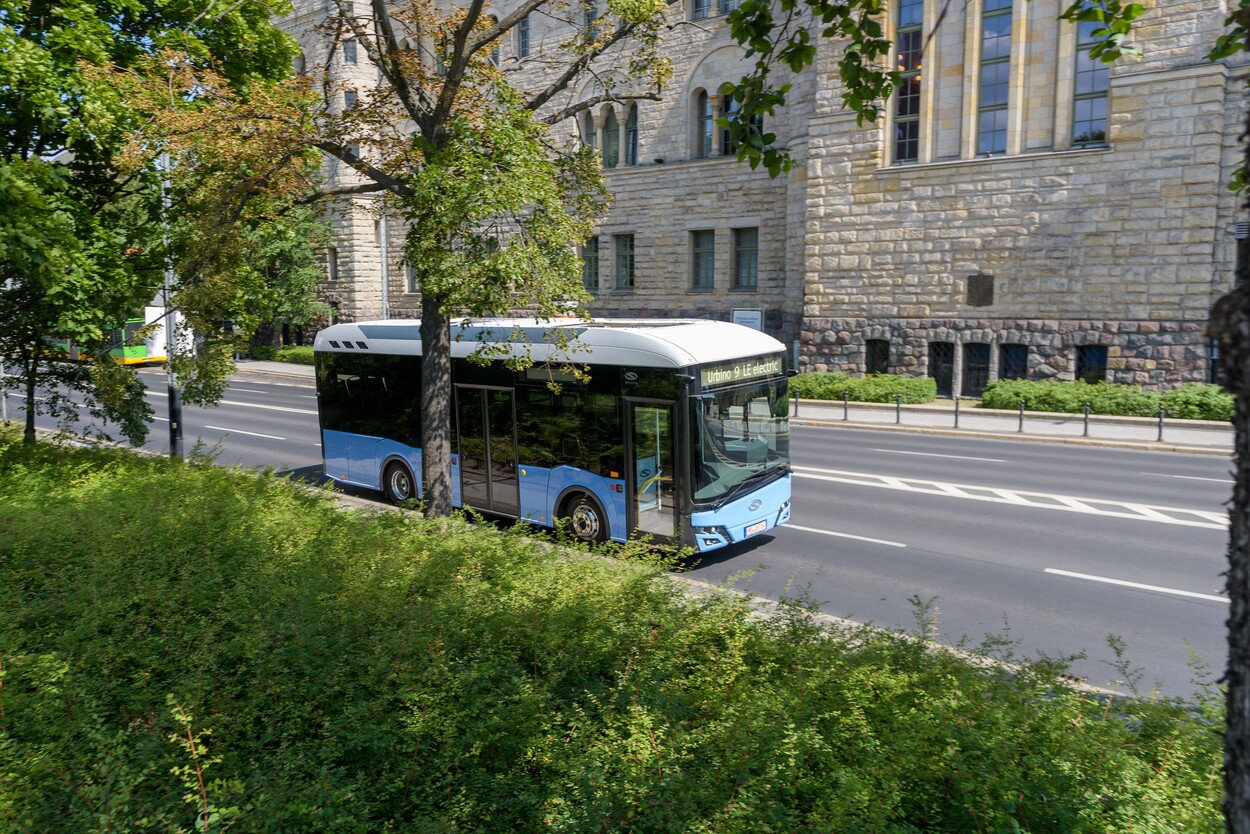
(846, 406)
(957, 412)
(1086, 432)
(1162, 413)
(898, 408)
(1021, 429)
(796, 406)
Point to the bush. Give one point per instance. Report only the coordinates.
(295, 354)
(265, 352)
(874, 388)
(1193, 402)
(1199, 402)
(344, 672)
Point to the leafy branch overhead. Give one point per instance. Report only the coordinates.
(782, 36)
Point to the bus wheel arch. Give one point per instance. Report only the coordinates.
(398, 483)
(587, 520)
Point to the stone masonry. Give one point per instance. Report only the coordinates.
(1052, 244)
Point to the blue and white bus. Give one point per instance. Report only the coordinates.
(680, 434)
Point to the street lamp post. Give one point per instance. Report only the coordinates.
(171, 329)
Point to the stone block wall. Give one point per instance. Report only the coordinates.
(1155, 354)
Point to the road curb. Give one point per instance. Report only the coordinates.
(1143, 446)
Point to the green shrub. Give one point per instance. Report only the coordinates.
(1193, 402)
(265, 352)
(333, 671)
(295, 354)
(1199, 402)
(874, 388)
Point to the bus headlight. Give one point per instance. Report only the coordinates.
(709, 537)
(783, 515)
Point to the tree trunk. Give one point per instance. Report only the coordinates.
(1230, 324)
(436, 406)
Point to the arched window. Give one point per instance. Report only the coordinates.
(586, 127)
(729, 108)
(703, 126)
(631, 136)
(611, 141)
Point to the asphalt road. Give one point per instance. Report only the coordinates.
(1055, 547)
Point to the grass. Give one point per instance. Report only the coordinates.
(186, 647)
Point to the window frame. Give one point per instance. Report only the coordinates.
(746, 259)
(523, 37)
(705, 124)
(908, 57)
(350, 53)
(623, 262)
(1089, 359)
(876, 356)
(590, 264)
(1000, 66)
(1085, 42)
(702, 260)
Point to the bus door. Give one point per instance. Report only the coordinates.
(653, 505)
(486, 432)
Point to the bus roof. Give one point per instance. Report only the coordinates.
(647, 343)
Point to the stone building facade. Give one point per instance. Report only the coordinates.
(1028, 212)
(1020, 210)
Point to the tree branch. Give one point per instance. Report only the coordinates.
(577, 67)
(586, 104)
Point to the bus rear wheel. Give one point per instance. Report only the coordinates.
(586, 520)
(397, 483)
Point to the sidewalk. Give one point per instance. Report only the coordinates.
(1193, 436)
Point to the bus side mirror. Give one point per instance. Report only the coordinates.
(792, 372)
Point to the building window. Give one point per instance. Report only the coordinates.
(410, 273)
(590, 14)
(590, 265)
(699, 9)
(1089, 105)
(631, 137)
(523, 37)
(910, 48)
(586, 127)
(995, 77)
(746, 259)
(1013, 362)
(611, 140)
(976, 371)
(877, 356)
(704, 126)
(332, 263)
(729, 109)
(727, 6)
(350, 98)
(942, 366)
(349, 52)
(1091, 363)
(624, 271)
(702, 257)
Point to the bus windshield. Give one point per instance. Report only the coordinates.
(742, 437)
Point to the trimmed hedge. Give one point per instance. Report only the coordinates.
(364, 672)
(295, 354)
(874, 388)
(1193, 402)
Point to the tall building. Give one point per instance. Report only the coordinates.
(1020, 210)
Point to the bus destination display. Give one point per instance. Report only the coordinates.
(740, 371)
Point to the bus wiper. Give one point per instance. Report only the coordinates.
(751, 482)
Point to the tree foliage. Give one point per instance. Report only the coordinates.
(782, 35)
(84, 232)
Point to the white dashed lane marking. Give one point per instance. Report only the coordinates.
(1021, 498)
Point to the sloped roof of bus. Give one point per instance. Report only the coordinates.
(656, 343)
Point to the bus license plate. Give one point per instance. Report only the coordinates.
(757, 527)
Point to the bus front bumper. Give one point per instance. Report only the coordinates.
(744, 518)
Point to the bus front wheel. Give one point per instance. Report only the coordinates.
(397, 483)
(586, 520)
